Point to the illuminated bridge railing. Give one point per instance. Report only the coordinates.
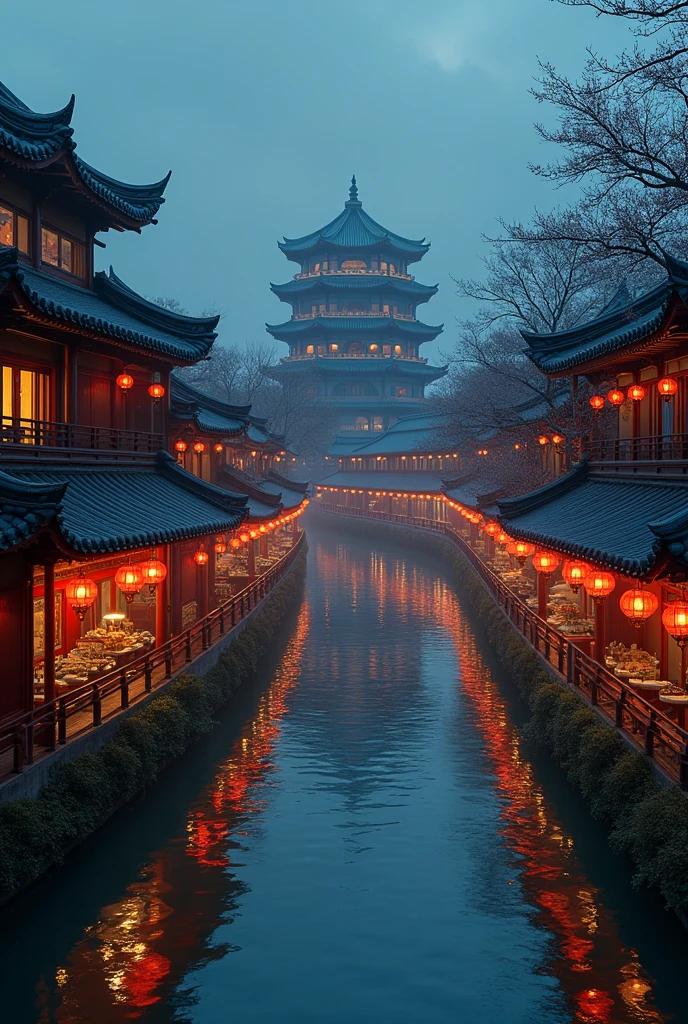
(644, 725)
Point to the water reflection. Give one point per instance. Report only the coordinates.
(376, 831)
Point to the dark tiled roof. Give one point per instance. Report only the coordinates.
(409, 434)
(330, 324)
(331, 364)
(101, 510)
(262, 504)
(292, 492)
(44, 138)
(25, 508)
(619, 523)
(111, 310)
(355, 229)
(354, 283)
(475, 492)
(382, 480)
(210, 415)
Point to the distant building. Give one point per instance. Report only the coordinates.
(354, 340)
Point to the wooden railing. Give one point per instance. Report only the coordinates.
(86, 707)
(45, 434)
(646, 726)
(661, 448)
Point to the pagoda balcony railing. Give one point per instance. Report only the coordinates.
(22, 434)
(352, 355)
(353, 273)
(660, 448)
(343, 312)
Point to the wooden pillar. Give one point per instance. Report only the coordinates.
(162, 618)
(210, 577)
(202, 589)
(263, 546)
(542, 588)
(49, 631)
(175, 587)
(251, 561)
(600, 610)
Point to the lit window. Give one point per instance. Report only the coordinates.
(14, 229)
(309, 350)
(397, 350)
(400, 391)
(373, 348)
(333, 348)
(354, 265)
(61, 252)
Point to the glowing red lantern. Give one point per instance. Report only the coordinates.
(154, 572)
(675, 621)
(574, 573)
(597, 402)
(219, 448)
(638, 605)
(129, 579)
(667, 388)
(545, 563)
(520, 549)
(502, 538)
(201, 557)
(180, 446)
(543, 440)
(125, 382)
(244, 538)
(199, 447)
(616, 397)
(235, 543)
(557, 438)
(599, 584)
(80, 595)
(491, 529)
(636, 392)
(156, 391)
(220, 547)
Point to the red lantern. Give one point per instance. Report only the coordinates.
(636, 392)
(675, 621)
(235, 543)
(154, 572)
(491, 529)
(616, 397)
(543, 439)
(545, 563)
(129, 579)
(557, 438)
(638, 605)
(201, 557)
(502, 538)
(667, 388)
(80, 595)
(520, 550)
(219, 448)
(156, 391)
(180, 446)
(244, 538)
(125, 381)
(220, 547)
(599, 584)
(199, 447)
(597, 402)
(574, 573)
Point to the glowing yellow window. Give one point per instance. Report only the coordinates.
(374, 348)
(354, 265)
(397, 350)
(309, 350)
(334, 348)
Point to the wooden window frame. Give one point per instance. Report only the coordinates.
(16, 212)
(68, 275)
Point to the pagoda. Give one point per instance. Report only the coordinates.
(354, 340)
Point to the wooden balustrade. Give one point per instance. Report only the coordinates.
(44, 434)
(660, 448)
(82, 708)
(647, 727)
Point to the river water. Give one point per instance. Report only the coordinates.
(364, 838)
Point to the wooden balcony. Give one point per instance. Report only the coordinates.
(22, 439)
(662, 455)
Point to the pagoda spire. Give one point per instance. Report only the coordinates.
(353, 192)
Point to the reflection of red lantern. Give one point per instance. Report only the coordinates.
(129, 579)
(636, 392)
(125, 382)
(667, 388)
(638, 605)
(597, 402)
(180, 446)
(80, 595)
(201, 557)
(616, 397)
(599, 584)
(154, 572)
(545, 563)
(156, 391)
(574, 573)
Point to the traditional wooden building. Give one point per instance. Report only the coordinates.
(99, 525)
(354, 339)
(623, 510)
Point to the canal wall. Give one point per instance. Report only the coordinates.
(78, 794)
(647, 818)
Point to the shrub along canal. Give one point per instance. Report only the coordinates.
(365, 837)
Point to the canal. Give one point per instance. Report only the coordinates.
(363, 838)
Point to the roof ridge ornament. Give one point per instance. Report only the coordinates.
(353, 192)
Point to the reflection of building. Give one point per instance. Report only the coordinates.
(354, 340)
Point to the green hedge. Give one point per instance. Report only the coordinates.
(647, 820)
(85, 792)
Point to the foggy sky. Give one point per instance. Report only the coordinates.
(264, 109)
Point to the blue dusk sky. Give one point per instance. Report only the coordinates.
(264, 109)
